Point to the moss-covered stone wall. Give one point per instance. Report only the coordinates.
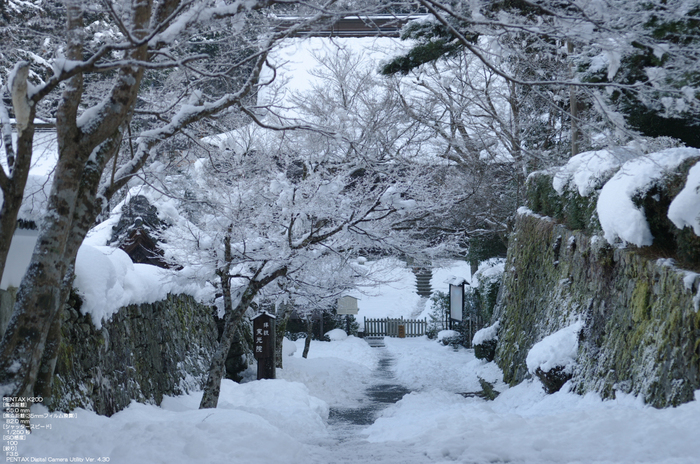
(642, 325)
(143, 353)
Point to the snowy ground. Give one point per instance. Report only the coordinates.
(324, 410)
(287, 420)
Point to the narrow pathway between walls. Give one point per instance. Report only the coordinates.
(346, 443)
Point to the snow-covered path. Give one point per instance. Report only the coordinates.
(305, 417)
(347, 444)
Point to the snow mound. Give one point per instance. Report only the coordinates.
(258, 422)
(333, 369)
(422, 364)
(525, 425)
(486, 334)
(618, 215)
(336, 335)
(557, 349)
(685, 208)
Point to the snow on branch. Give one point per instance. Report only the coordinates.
(199, 14)
(7, 141)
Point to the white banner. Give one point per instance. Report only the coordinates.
(456, 301)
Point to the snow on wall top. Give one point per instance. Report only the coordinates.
(584, 170)
(685, 208)
(619, 217)
(106, 279)
(621, 220)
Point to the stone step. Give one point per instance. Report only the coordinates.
(375, 342)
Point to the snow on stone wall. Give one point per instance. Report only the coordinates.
(637, 313)
(143, 353)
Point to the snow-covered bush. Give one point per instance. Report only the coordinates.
(486, 282)
(569, 193)
(450, 337)
(440, 304)
(485, 341)
(553, 358)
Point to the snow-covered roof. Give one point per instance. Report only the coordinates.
(264, 313)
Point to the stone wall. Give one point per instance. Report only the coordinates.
(143, 353)
(642, 324)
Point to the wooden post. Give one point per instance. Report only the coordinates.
(264, 338)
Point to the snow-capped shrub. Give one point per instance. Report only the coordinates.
(487, 334)
(568, 207)
(485, 341)
(553, 358)
(587, 172)
(336, 335)
(485, 284)
(635, 197)
(440, 305)
(449, 337)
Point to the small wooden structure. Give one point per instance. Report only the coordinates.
(264, 344)
(391, 327)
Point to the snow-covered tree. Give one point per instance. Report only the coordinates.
(298, 208)
(147, 41)
(643, 56)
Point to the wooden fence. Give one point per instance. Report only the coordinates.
(391, 327)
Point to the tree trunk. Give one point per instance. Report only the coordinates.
(44, 381)
(71, 210)
(233, 316)
(281, 330)
(309, 335)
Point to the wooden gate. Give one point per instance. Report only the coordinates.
(390, 327)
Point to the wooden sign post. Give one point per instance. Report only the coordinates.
(347, 305)
(264, 338)
(456, 303)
